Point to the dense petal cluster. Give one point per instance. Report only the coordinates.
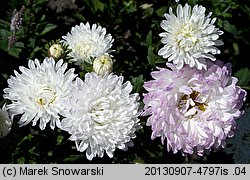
(36, 93)
(5, 122)
(189, 37)
(193, 110)
(87, 42)
(101, 114)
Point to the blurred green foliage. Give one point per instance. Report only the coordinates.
(135, 26)
(239, 145)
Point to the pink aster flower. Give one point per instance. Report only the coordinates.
(193, 110)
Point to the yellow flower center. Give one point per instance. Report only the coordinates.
(46, 96)
(84, 49)
(186, 38)
(188, 104)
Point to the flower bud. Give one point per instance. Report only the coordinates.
(56, 51)
(103, 64)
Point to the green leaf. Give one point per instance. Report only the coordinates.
(40, 2)
(21, 160)
(137, 83)
(230, 28)
(149, 11)
(79, 16)
(49, 27)
(36, 49)
(32, 42)
(160, 60)
(139, 160)
(82, 75)
(161, 11)
(236, 48)
(246, 87)
(4, 24)
(43, 18)
(5, 33)
(72, 158)
(19, 44)
(87, 67)
(151, 56)
(14, 52)
(244, 76)
(3, 45)
(98, 5)
(50, 153)
(59, 139)
(149, 38)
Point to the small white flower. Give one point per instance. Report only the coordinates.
(36, 93)
(101, 114)
(5, 122)
(190, 37)
(87, 42)
(103, 64)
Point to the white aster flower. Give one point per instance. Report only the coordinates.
(101, 114)
(87, 42)
(36, 93)
(5, 122)
(189, 37)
